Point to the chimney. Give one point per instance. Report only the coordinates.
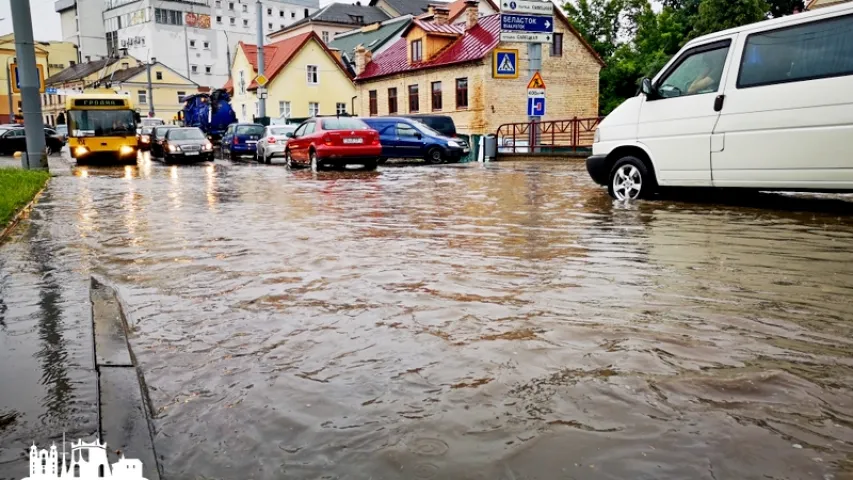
(360, 59)
(472, 13)
(88, 58)
(337, 53)
(125, 65)
(440, 15)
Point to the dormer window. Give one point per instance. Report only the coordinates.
(417, 50)
(358, 19)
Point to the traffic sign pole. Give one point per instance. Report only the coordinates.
(35, 157)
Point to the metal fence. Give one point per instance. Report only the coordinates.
(548, 137)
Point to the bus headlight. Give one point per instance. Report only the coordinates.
(125, 150)
(80, 151)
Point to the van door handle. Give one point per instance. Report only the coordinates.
(718, 102)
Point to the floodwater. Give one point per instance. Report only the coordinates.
(479, 321)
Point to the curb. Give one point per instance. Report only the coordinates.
(124, 408)
(23, 211)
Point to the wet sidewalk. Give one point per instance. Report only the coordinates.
(491, 321)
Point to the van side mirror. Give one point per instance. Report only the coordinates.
(649, 90)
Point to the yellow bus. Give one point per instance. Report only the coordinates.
(101, 126)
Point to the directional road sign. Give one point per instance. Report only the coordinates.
(513, 22)
(525, 6)
(535, 106)
(517, 37)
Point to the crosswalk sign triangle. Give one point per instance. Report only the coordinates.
(505, 65)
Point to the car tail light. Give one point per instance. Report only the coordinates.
(375, 139)
(327, 139)
(271, 140)
(235, 139)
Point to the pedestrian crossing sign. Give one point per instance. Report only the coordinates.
(505, 63)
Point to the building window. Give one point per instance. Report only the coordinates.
(230, 5)
(281, 26)
(192, 43)
(436, 96)
(341, 108)
(243, 110)
(374, 104)
(142, 96)
(313, 109)
(269, 11)
(281, 13)
(557, 45)
(269, 25)
(232, 21)
(168, 17)
(325, 36)
(218, 3)
(182, 96)
(306, 13)
(207, 45)
(245, 9)
(194, 68)
(284, 109)
(242, 82)
(158, 75)
(218, 19)
(207, 69)
(417, 51)
(414, 101)
(312, 75)
(245, 22)
(392, 101)
(461, 93)
(292, 14)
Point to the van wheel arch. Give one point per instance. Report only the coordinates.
(631, 151)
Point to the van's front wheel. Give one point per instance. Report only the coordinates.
(630, 179)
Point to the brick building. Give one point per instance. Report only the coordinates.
(445, 68)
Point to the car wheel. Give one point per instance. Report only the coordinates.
(315, 164)
(288, 161)
(370, 164)
(630, 179)
(434, 156)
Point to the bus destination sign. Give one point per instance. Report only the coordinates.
(99, 102)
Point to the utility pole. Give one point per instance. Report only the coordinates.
(186, 44)
(150, 90)
(262, 102)
(29, 82)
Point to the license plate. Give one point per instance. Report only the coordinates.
(353, 140)
(191, 153)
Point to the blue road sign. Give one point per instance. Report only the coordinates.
(535, 106)
(507, 63)
(513, 22)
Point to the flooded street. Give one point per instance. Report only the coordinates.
(476, 321)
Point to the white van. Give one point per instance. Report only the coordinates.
(764, 106)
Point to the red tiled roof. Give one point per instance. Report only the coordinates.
(278, 54)
(433, 27)
(475, 44)
(458, 7)
(229, 86)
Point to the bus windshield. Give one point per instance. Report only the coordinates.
(101, 123)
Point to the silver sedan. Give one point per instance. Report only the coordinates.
(273, 142)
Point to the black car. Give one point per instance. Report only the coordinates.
(143, 138)
(15, 140)
(442, 124)
(187, 144)
(157, 135)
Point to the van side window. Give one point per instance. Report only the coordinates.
(696, 73)
(405, 130)
(803, 52)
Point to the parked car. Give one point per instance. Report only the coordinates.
(440, 123)
(158, 134)
(272, 142)
(241, 139)
(62, 130)
(149, 122)
(186, 143)
(14, 140)
(405, 138)
(767, 106)
(331, 141)
(144, 138)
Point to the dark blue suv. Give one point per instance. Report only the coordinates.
(406, 138)
(241, 139)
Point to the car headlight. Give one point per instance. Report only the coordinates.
(80, 151)
(451, 143)
(208, 146)
(597, 137)
(145, 138)
(174, 148)
(125, 150)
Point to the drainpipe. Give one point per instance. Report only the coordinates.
(352, 108)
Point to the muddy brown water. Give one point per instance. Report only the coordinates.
(481, 321)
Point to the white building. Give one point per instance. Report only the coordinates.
(82, 24)
(194, 37)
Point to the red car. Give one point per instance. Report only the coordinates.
(333, 141)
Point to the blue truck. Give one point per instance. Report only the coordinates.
(211, 112)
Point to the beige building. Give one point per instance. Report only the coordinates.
(168, 88)
(438, 67)
(53, 57)
(813, 4)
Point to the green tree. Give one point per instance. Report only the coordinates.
(598, 21)
(780, 8)
(716, 15)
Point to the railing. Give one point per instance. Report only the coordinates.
(552, 136)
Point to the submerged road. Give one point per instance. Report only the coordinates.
(478, 321)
